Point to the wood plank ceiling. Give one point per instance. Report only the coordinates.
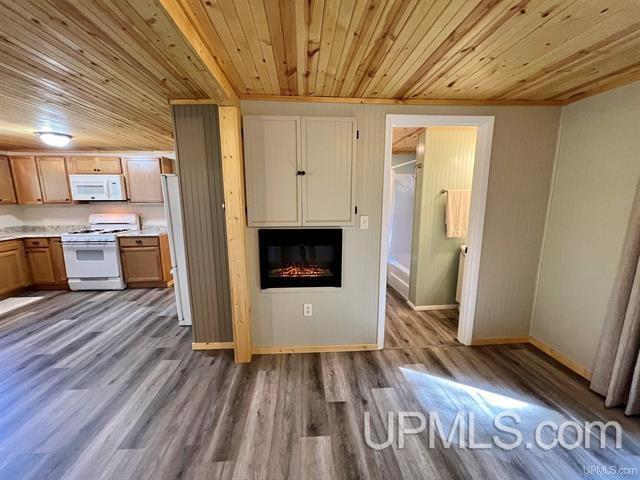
(100, 70)
(405, 140)
(103, 70)
(540, 50)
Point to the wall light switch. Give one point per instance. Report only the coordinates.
(364, 222)
(307, 310)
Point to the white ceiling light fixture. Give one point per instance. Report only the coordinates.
(54, 139)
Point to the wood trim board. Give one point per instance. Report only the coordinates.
(563, 359)
(234, 198)
(212, 346)
(227, 95)
(405, 101)
(543, 347)
(360, 347)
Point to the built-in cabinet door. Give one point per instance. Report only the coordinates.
(272, 152)
(15, 273)
(53, 179)
(7, 193)
(142, 264)
(57, 260)
(143, 180)
(25, 178)
(95, 165)
(328, 161)
(81, 165)
(10, 279)
(42, 271)
(108, 165)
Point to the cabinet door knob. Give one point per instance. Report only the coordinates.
(301, 172)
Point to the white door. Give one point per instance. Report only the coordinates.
(173, 211)
(271, 153)
(328, 163)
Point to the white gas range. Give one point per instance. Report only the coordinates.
(92, 256)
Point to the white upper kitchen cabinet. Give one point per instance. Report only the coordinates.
(300, 170)
(271, 155)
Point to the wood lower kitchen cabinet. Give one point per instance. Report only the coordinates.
(146, 262)
(46, 262)
(15, 274)
(7, 192)
(57, 259)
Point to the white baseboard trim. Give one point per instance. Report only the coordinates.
(398, 284)
(420, 308)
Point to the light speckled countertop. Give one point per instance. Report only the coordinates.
(145, 231)
(32, 231)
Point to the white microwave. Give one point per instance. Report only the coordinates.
(97, 187)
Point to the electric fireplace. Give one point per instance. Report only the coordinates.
(300, 258)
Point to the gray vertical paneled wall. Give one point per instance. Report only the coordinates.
(199, 168)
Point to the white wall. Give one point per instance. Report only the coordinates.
(10, 216)
(76, 214)
(597, 173)
(403, 185)
(521, 165)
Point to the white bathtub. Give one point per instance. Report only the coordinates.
(398, 273)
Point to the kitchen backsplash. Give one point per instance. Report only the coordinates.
(77, 214)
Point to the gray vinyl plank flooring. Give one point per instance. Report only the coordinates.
(406, 328)
(106, 386)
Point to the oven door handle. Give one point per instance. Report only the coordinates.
(87, 244)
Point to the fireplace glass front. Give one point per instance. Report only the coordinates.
(300, 258)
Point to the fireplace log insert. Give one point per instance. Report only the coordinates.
(300, 258)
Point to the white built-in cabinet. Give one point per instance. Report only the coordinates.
(300, 171)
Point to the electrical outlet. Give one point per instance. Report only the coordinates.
(307, 310)
(364, 222)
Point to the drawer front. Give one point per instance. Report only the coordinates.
(9, 245)
(36, 242)
(139, 242)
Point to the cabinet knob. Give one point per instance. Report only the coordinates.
(39, 199)
(35, 242)
(301, 172)
(139, 242)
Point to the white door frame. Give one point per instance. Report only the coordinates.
(476, 216)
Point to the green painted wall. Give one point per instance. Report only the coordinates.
(447, 155)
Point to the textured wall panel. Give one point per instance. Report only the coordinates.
(200, 172)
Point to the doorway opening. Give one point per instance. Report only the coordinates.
(435, 186)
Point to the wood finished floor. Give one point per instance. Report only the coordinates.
(105, 386)
(406, 328)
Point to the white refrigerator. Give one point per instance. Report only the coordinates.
(173, 210)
